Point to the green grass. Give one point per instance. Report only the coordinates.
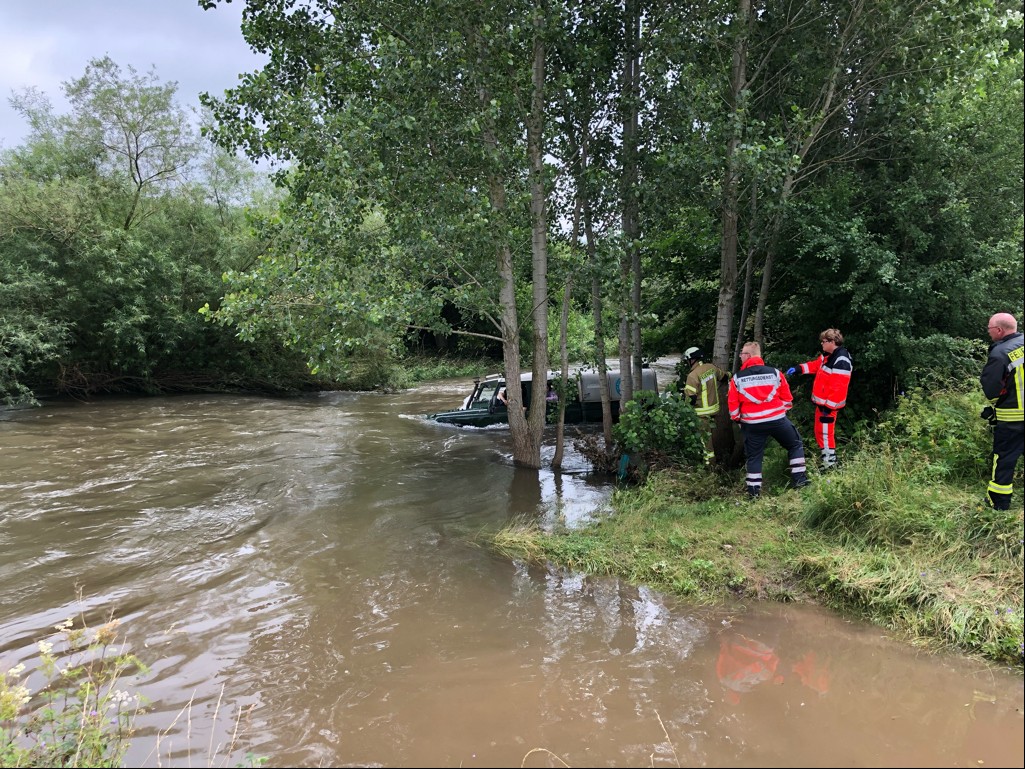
(426, 368)
(901, 536)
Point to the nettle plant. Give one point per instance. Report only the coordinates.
(79, 716)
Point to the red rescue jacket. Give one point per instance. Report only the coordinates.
(758, 393)
(832, 378)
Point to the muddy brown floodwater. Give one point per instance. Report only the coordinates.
(311, 566)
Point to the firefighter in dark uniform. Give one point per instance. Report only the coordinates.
(1002, 382)
(702, 386)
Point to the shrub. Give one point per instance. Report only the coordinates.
(660, 429)
(882, 496)
(81, 715)
(944, 427)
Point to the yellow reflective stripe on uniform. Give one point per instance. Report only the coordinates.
(709, 396)
(997, 488)
(1017, 371)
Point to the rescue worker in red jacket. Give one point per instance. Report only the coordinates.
(1003, 383)
(759, 398)
(832, 372)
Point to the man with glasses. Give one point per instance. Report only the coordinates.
(759, 398)
(1002, 382)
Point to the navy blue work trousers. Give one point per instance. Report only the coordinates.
(756, 435)
(1008, 444)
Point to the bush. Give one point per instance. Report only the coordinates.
(661, 430)
(945, 428)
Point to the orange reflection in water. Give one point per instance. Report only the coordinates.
(812, 674)
(744, 663)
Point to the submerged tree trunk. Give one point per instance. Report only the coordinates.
(560, 424)
(524, 449)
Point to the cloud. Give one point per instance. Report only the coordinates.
(46, 43)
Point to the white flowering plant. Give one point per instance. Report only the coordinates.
(79, 716)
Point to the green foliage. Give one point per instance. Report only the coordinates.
(102, 273)
(326, 295)
(406, 175)
(423, 368)
(942, 429)
(28, 338)
(80, 716)
(660, 429)
(579, 334)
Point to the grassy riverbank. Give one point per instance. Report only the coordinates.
(900, 535)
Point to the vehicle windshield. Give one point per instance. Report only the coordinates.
(485, 393)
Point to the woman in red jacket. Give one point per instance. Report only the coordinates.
(832, 372)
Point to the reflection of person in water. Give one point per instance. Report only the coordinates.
(744, 663)
(812, 675)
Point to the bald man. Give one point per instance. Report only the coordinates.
(1002, 382)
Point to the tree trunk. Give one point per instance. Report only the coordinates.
(722, 438)
(538, 248)
(560, 424)
(597, 310)
(763, 295)
(522, 446)
(629, 328)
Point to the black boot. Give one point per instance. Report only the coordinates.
(1000, 501)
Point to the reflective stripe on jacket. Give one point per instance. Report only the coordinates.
(703, 384)
(832, 378)
(758, 393)
(1003, 376)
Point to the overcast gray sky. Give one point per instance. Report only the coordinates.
(44, 43)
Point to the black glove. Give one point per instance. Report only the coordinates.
(989, 413)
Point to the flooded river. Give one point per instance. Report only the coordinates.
(310, 571)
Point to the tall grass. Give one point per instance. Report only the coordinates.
(83, 712)
(82, 715)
